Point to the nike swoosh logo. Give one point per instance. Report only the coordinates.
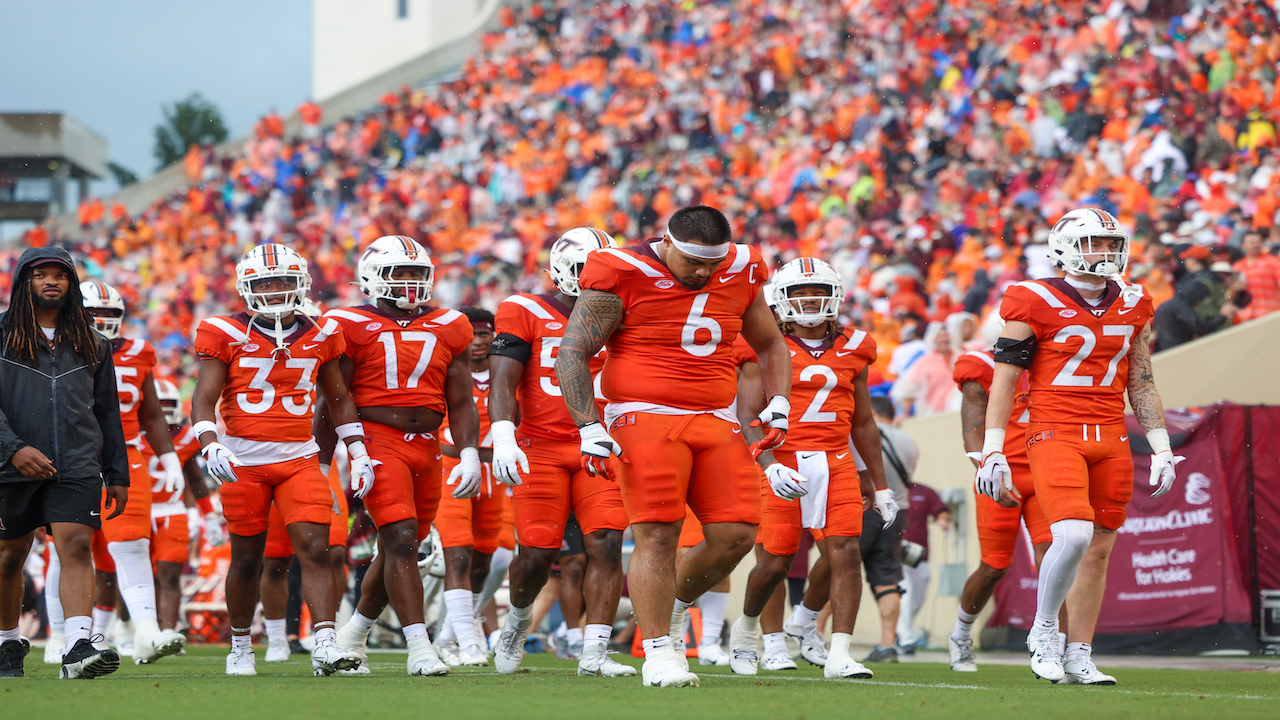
(1124, 438)
(842, 354)
(727, 279)
(308, 347)
(841, 456)
(1126, 312)
(737, 431)
(134, 467)
(94, 513)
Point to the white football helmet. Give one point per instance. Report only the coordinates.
(803, 272)
(1072, 239)
(569, 254)
(385, 255)
(266, 262)
(170, 401)
(101, 296)
(770, 291)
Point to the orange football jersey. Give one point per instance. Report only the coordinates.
(540, 321)
(1080, 369)
(675, 345)
(479, 393)
(186, 444)
(742, 352)
(979, 367)
(134, 361)
(402, 362)
(822, 390)
(267, 398)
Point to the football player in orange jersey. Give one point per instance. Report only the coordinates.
(669, 310)
(408, 363)
(122, 548)
(998, 522)
(260, 370)
(540, 459)
(1085, 340)
(171, 535)
(833, 406)
(469, 527)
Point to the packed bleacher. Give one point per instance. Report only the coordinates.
(923, 148)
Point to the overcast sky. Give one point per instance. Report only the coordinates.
(112, 64)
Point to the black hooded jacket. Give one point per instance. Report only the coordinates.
(66, 408)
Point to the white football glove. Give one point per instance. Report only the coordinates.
(171, 466)
(786, 483)
(221, 461)
(508, 459)
(886, 506)
(597, 447)
(1163, 462)
(994, 472)
(215, 531)
(361, 469)
(773, 417)
(466, 474)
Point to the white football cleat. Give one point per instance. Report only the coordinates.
(813, 647)
(277, 653)
(242, 662)
(1046, 655)
(961, 652)
(327, 658)
(596, 662)
(1084, 672)
(677, 644)
(449, 652)
(53, 648)
(423, 660)
(473, 656)
(509, 651)
(845, 667)
(151, 648)
(712, 654)
(662, 668)
(780, 660)
(361, 669)
(744, 645)
(349, 639)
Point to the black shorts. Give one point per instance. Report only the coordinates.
(25, 506)
(573, 543)
(882, 548)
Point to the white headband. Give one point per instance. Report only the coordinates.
(698, 250)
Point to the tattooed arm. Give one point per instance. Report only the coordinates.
(1143, 395)
(595, 317)
(973, 416)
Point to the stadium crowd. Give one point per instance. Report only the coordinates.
(924, 150)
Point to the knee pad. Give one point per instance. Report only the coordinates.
(1074, 536)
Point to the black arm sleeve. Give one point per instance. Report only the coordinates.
(1016, 352)
(106, 406)
(511, 346)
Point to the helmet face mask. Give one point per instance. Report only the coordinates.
(1079, 244)
(267, 263)
(794, 293)
(397, 269)
(569, 256)
(106, 306)
(170, 401)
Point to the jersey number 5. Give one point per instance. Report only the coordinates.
(1067, 377)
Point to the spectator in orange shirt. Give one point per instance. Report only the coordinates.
(1261, 273)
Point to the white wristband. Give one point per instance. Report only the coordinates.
(354, 429)
(993, 441)
(504, 431)
(469, 454)
(1159, 440)
(356, 449)
(203, 427)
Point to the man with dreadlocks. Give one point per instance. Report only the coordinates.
(264, 368)
(60, 439)
(832, 406)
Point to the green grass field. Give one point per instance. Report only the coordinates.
(193, 687)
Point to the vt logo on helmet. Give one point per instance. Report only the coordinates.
(105, 305)
(396, 268)
(569, 254)
(273, 280)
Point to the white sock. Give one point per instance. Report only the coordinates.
(53, 591)
(839, 646)
(445, 634)
(9, 635)
(804, 617)
(574, 635)
(76, 629)
(1079, 651)
(713, 606)
(414, 630)
(102, 619)
(677, 617)
(775, 642)
(750, 623)
(596, 637)
(241, 642)
(136, 582)
(277, 635)
(658, 644)
(498, 564)
(325, 634)
(361, 623)
(1071, 539)
(464, 627)
(964, 625)
(520, 616)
